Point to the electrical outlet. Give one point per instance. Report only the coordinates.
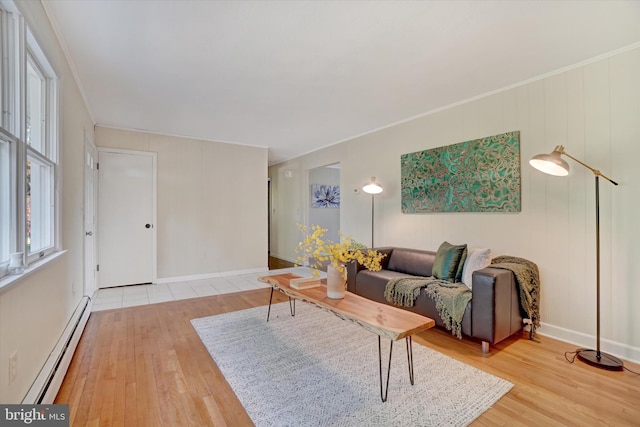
(13, 367)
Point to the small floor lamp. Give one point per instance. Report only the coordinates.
(373, 188)
(554, 164)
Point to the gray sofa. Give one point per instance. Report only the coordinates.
(492, 315)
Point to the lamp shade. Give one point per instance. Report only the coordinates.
(372, 187)
(552, 164)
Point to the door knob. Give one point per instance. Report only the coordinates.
(88, 233)
(147, 226)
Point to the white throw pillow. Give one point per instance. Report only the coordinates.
(477, 258)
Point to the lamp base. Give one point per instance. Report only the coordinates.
(605, 361)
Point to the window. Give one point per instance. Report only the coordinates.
(36, 106)
(39, 205)
(40, 167)
(5, 201)
(8, 142)
(28, 143)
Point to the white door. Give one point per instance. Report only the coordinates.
(126, 217)
(90, 202)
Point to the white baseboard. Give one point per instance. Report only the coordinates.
(209, 275)
(623, 351)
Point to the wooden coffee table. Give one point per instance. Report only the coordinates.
(383, 320)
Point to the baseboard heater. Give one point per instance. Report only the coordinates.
(48, 382)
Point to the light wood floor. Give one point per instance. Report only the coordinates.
(146, 366)
(276, 263)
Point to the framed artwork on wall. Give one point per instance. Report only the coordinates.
(325, 196)
(482, 175)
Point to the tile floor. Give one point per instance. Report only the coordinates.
(129, 296)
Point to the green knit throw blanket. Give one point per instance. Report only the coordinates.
(451, 298)
(528, 279)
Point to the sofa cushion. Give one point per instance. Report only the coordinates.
(448, 258)
(411, 261)
(477, 258)
(371, 284)
(382, 276)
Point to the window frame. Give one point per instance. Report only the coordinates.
(19, 47)
(44, 107)
(48, 221)
(47, 154)
(9, 123)
(11, 210)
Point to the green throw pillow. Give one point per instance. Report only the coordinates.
(463, 258)
(448, 258)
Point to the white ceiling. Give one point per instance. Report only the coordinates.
(295, 76)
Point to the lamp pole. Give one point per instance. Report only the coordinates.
(598, 353)
(554, 164)
(372, 217)
(373, 188)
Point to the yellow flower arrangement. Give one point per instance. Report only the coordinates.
(315, 250)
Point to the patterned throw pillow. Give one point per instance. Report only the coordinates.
(448, 258)
(477, 258)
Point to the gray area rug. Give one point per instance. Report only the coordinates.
(315, 369)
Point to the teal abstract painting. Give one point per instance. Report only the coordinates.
(482, 175)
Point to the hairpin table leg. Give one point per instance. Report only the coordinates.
(270, 299)
(292, 305)
(409, 343)
(292, 309)
(383, 394)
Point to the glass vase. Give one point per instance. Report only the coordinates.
(336, 284)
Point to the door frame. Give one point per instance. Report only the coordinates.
(154, 228)
(268, 218)
(90, 286)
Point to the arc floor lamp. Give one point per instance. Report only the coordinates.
(554, 164)
(373, 188)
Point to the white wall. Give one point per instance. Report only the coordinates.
(594, 111)
(35, 310)
(212, 203)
